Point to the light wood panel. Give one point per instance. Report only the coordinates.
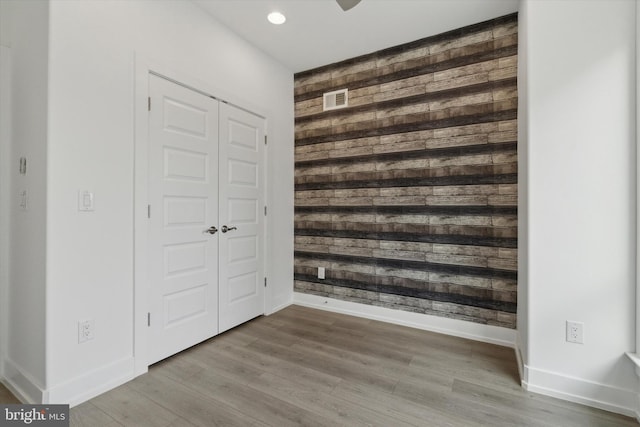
(308, 367)
(6, 396)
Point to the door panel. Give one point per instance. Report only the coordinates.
(181, 165)
(185, 304)
(243, 249)
(243, 173)
(241, 206)
(243, 211)
(182, 211)
(183, 197)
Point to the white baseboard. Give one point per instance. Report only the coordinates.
(520, 359)
(91, 384)
(475, 331)
(597, 395)
(636, 362)
(22, 385)
(277, 308)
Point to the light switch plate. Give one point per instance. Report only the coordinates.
(85, 201)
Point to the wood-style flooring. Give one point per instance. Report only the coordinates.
(6, 396)
(308, 367)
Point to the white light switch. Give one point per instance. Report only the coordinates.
(320, 272)
(85, 201)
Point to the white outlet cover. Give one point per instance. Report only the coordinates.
(575, 332)
(23, 199)
(86, 330)
(320, 272)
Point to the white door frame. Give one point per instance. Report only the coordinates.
(143, 68)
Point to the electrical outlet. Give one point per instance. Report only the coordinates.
(320, 272)
(86, 330)
(575, 331)
(24, 200)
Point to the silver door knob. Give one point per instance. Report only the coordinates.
(225, 228)
(211, 230)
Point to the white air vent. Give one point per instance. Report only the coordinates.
(335, 99)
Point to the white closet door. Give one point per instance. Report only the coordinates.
(183, 191)
(242, 213)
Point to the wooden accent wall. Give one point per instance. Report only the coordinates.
(408, 196)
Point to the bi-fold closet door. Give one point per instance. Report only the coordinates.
(206, 217)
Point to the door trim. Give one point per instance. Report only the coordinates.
(143, 67)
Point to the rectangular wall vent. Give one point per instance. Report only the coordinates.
(335, 99)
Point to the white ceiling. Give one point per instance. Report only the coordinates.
(318, 32)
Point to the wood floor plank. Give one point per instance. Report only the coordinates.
(235, 337)
(343, 339)
(182, 365)
(226, 365)
(470, 410)
(532, 408)
(293, 314)
(397, 407)
(419, 342)
(339, 411)
(262, 330)
(391, 368)
(467, 368)
(131, 408)
(302, 367)
(254, 403)
(276, 366)
(6, 396)
(341, 368)
(89, 415)
(196, 408)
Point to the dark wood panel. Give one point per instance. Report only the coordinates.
(460, 270)
(426, 121)
(374, 180)
(413, 210)
(413, 234)
(422, 292)
(467, 150)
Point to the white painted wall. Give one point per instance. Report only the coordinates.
(25, 30)
(580, 109)
(638, 185)
(89, 144)
(5, 153)
(522, 340)
(5, 23)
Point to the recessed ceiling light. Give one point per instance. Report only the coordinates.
(276, 18)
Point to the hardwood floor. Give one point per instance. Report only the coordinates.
(6, 396)
(307, 367)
